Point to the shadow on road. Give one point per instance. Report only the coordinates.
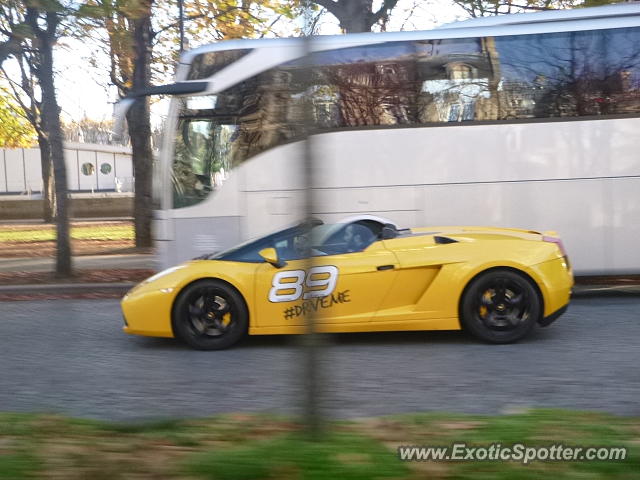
(345, 339)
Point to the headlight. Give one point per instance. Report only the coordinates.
(162, 274)
(153, 278)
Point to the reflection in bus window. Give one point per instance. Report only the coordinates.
(570, 74)
(209, 63)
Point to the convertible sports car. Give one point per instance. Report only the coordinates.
(361, 274)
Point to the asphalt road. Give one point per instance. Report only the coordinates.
(70, 356)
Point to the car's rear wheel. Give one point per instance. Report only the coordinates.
(500, 306)
(209, 315)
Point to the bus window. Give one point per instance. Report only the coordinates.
(209, 63)
(569, 74)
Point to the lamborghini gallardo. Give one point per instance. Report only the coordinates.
(359, 275)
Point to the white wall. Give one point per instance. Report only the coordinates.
(21, 172)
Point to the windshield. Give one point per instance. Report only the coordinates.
(203, 150)
(217, 133)
(293, 243)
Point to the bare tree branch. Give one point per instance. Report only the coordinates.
(332, 7)
(12, 45)
(384, 10)
(409, 15)
(9, 48)
(270, 26)
(26, 112)
(189, 17)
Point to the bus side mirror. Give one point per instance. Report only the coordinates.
(270, 255)
(120, 114)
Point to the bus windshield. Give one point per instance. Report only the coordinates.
(217, 133)
(203, 150)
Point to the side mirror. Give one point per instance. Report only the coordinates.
(271, 256)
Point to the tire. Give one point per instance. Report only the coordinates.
(500, 306)
(209, 315)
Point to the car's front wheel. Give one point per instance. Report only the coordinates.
(500, 306)
(209, 315)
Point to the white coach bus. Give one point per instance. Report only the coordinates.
(528, 120)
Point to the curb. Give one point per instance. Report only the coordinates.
(583, 291)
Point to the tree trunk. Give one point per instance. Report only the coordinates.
(358, 16)
(48, 193)
(51, 119)
(138, 119)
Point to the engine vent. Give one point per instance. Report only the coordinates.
(442, 240)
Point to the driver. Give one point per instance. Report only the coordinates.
(356, 237)
(301, 244)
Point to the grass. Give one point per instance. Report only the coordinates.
(82, 232)
(254, 447)
(534, 428)
(340, 455)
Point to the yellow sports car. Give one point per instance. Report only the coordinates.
(359, 275)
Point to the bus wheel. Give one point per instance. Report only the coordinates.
(209, 315)
(500, 306)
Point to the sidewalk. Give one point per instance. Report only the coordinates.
(94, 271)
(86, 262)
(38, 221)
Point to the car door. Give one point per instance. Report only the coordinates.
(416, 295)
(341, 288)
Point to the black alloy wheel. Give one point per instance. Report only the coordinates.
(209, 315)
(500, 306)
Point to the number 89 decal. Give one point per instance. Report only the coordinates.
(289, 285)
